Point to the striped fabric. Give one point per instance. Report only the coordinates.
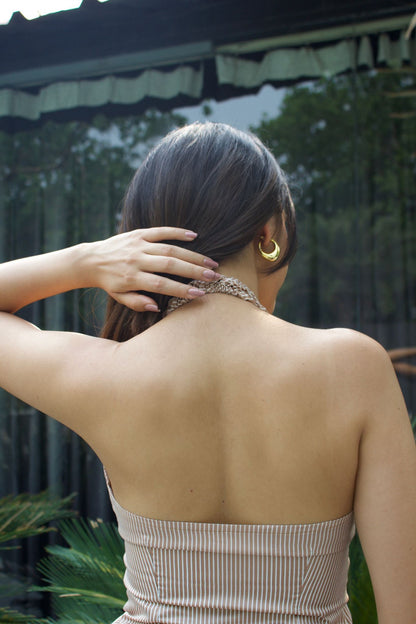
(191, 572)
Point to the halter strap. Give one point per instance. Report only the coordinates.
(225, 286)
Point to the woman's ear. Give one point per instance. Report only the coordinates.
(270, 230)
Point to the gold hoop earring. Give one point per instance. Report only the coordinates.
(273, 255)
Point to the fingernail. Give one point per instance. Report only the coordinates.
(211, 275)
(196, 292)
(211, 263)
(190, 234)
(150, 307)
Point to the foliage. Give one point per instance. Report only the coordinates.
(353, 158)
(12, 617)
(24, 516)
(28, 514)
(86, 578)
(67, 179)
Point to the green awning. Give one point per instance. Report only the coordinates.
(167, 75)
(307, 62)
(61, 96)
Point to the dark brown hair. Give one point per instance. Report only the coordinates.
(215, 180)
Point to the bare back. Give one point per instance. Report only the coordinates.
(223, 413)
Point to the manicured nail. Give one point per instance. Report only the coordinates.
(151, 307)
(190, 234)
(210, 275)
(211, 263)
(196, 292)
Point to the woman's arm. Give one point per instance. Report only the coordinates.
(69, 376)
(385, 500)
(121, 265)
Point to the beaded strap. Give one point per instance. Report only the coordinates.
(225, 286)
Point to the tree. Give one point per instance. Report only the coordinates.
(351, 161)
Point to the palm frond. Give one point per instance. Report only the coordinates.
(24, 516)
(81, 618)
(7, 616)
(28, 514)
(86, 578)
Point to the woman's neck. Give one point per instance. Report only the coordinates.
(242, 268)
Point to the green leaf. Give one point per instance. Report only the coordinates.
(7, 616)
(28, 514)
(86, 578)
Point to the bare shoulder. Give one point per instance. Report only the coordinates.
(360, 357)
(355, 342)
(348, 364)
(347, 345)
(349, 349)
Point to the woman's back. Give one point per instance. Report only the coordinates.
(231, 415)
(231, 469)
(226, 415)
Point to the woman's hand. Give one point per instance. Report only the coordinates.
(122, 265)
(127, 263)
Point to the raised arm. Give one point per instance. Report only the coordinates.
(67, 375)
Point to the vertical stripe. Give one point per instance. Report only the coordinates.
(202, 573)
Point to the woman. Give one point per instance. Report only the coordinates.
(238, 448)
